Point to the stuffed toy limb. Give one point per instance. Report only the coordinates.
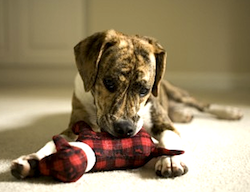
(98, 152)
(70, 161)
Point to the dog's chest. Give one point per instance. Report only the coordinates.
(145, 113)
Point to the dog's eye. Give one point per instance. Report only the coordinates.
(143, 91)
(110, 84)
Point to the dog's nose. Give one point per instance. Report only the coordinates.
(124, 128)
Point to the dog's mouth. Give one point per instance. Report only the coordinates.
(119, 128)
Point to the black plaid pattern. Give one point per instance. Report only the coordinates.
(68, 164)
(120, 153)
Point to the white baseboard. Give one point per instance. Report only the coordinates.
(63, 76)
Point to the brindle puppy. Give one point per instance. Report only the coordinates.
(119, 90)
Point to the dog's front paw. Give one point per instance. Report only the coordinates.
(25, 166)
(170, 167)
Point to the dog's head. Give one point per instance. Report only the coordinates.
(121, 72)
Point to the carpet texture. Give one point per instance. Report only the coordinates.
(218, 151)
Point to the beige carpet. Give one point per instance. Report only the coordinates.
(219, 150)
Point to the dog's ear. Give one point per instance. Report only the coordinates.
(160, 56)
(88, 54)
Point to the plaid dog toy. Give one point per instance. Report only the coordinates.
(69, 163)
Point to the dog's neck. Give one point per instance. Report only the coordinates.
(87, 101)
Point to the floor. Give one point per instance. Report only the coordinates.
(219, 149)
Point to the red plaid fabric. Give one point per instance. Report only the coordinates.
(68, 164)
(120, 153)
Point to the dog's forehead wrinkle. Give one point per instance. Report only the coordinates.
(142, 54)
(124, 105)
(130, 60)
(142, 49)
(145, 73)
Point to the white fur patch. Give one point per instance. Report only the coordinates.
(171, 140)
(86, 98)
(83, 96)
(145, 114)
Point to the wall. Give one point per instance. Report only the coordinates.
(207, 41)
(37, 39)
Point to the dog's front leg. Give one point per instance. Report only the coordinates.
(163, 130)
(170, 166)
(26, 166)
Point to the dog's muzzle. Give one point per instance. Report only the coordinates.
(120, 127)
(124, 128)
